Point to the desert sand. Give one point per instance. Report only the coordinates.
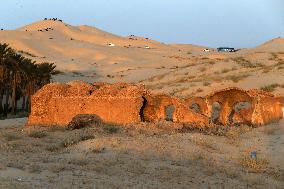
(141, 157)
(145, 155)
(83, 53)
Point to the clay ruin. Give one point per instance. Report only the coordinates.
(121, 103)
(252, 107)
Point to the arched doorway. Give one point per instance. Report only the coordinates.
(141, 113)
(215, 113)
(169, 112)
(237, 108)
(195, 107)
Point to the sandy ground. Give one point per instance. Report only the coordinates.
(112, 157)
(17, 122)
(82, 53)
(139, 157)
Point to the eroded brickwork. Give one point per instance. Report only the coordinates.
(121, 103)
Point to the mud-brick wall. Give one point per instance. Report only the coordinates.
(269, 110)
(61, 110)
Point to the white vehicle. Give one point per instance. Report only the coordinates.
(147, 47)
(206, 50)
(111, 45)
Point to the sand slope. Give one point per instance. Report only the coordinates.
(82, 52)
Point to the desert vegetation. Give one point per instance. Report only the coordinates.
(20, 77)
(113, 156)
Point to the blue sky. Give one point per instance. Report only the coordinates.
(237, 23)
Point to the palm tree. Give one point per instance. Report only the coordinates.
(20, 77)
(5, 51)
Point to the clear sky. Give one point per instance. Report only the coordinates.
(236, 23)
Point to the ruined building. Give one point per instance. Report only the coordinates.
(234, 105)
(121, 103)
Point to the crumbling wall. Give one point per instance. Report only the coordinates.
(156, 110)
(57, 104)
(228, 98)
(199, 102)
(267, 110)
(121, 103)
(264, 107)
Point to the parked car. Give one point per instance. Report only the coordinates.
(111, 45)
(226, 49)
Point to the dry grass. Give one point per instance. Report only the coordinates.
(167, 156)
(12, 136)
(57, 168)
(255, 165)
(204, 143)
(212, 62)
(206, 83)
(225, 70)
(269, 130)
(38, 134)
(236, 78)
(202, 69)
(199, 90)
(246, 63)
(270, 88)
(79, 161)
(34, 168)
(111, 129)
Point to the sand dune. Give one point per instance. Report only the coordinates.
(82, 52)
(274, 45)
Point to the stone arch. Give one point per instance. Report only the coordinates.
(237, 108)
(169, 112)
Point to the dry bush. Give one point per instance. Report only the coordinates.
(204, 143)
(212, 62)
(79, 161)
(267, 69)
(34, 168)
(75, 73)
(56, 128)
(75, 140)
(255, 165)
(276, 174)
(53, 148)
(236, 78)
(97, 150)
(12, 136)
(199, 90)
(206, 83)
(269, 130)
(37, 134)
(72, 138)
(111, 129)
(253, 180)
(16, 164)
(246, 63)
(57, 168)
(225, 70)
(202, 69)
(274, 56)
(270, 88)
(236, 132)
